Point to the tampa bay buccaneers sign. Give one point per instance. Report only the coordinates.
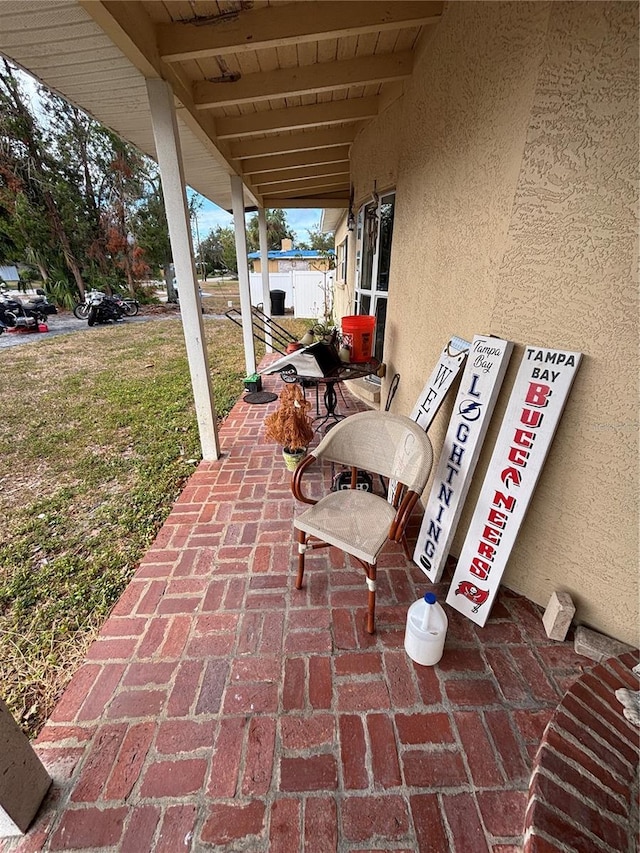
(537, 400)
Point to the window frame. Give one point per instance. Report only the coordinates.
(342, 254)
(369, 215)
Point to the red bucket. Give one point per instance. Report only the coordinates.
(358, 334)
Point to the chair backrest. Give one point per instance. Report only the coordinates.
(391, 445)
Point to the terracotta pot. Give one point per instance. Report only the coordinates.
(293, 347)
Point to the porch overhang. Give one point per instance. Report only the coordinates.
(273, 92)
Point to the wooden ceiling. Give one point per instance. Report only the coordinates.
(275, 91)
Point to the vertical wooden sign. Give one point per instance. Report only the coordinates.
(536, 404)
(426, 407)
(479, 388)
(451, 360)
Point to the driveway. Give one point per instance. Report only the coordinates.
(65, 323)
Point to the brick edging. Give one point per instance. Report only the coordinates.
(584, 784)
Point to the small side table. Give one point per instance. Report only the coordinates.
(331, 384)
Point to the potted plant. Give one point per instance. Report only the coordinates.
(324, 332)
(290, 425)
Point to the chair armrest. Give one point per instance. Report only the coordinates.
(296, 480)
(399, 523)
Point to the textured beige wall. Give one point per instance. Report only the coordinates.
(373, 168)
(515, 157)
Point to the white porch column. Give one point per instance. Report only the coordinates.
(165, 132)
(264, 266)
(23, 779)
(237, 201)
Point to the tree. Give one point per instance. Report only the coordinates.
(218, 249)
(319, 240)
(277, 230)
(152, 232)
(127, 185)
(83, 152)
(69, 192)
(29, 174)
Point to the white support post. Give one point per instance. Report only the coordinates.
(237, 201)
(264, 265)
(165, 132)
(23, 779)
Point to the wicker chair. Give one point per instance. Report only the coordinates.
(360, 522)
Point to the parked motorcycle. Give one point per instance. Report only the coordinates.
(21, 316)
(103, 308)
(130, 307)
(41, 302)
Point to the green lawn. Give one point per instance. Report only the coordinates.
(99, 436)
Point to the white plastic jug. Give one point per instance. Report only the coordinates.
(426, 630)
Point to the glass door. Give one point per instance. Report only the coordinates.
(373, 260)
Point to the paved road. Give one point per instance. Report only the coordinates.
(63, 324)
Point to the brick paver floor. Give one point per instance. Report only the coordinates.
(221, 709)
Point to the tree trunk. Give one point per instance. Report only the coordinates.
(61, 234)
(172, 293)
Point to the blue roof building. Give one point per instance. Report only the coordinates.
(287, 258)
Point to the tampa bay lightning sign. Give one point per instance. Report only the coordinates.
(481, 381)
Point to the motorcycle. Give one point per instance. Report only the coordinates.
(18, 316)
(103, 308)
(40, 303)
(130, 307)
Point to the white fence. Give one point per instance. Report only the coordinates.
(309, 293)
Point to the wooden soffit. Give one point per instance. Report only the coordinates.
(273, 91)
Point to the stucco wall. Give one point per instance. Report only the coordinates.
(514, 155)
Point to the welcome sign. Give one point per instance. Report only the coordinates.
(441, 379)
(428, 403)
(481, 381)
(536, 404)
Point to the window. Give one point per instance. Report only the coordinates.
(373, 260)
(341, 261)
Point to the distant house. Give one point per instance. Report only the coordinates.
(287, 258)
(9, 274)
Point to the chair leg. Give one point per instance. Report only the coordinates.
(371, 586)
(301, 538)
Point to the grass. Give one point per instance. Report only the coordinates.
(99, 436)
(218, 294)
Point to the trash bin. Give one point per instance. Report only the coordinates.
(277, 302)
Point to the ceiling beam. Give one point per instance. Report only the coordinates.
(278, 26)
(297, 118)
(332, 138)
(268, 199)
(316, 184)
(338, 201)
(257, 165)
(324, 170)
(304, 80)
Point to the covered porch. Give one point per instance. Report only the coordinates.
(221, 709)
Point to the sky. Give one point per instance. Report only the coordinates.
(299, 220)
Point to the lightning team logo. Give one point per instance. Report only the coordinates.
(470, 410)
(473, 593)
